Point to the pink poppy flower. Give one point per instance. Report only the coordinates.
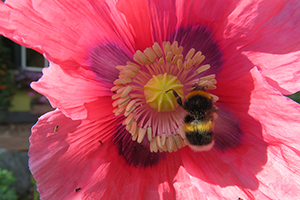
(117, 132)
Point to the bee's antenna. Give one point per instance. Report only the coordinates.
(178, 98)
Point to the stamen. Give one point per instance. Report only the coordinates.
(122, 81)
(120, 90)
(181, 132)
(169, 56)
(116, 87)
(174, 60)
(179, 50)
(202, 68)
(159, 143)
(190, 54)
(129, 119)
(142, 133)
(133, 66)
(133, 128)
(149, 133)
(153, 146)
(150, 54)
(179, 64)
(120, 67)
(157, 49)
(134, 136)
(119, 111)
(215, 97)
(163, 139)
(196, 57)
(126, 91)
(166, 46)
(122, 102)
(170, 144)
(211, 87)
(130, 107)
(178, 142)
(188, 64)
(161, 61)
(199, 61)
(129, 73)
(140, 93)
(212, 76)
(141, 58)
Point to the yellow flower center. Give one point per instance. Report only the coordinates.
(156, 92)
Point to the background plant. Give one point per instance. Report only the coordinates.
(7, 86)
(7, 192)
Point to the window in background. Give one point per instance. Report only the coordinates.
(32, 60)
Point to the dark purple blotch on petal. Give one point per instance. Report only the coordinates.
(104, 58)
(227, 132)
(201, 39)
(134, 153)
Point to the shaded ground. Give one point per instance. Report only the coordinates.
(14, 134)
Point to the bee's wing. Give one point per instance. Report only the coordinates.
(227, 130)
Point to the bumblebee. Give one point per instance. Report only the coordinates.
(199, 122)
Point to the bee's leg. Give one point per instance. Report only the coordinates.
(178, 98)
(215, 109)
(214, 112)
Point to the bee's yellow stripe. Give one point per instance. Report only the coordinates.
(198, 92)
(198, 127)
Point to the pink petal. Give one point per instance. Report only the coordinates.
(267, 32)
(163, 19)
(60, 30)
(65, 158)
(138, 16)
(159, 18)
(70, 156)
(281, 121)
(205, 12)
(79, 87)
(267, 154)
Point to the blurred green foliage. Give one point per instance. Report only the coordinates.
(6, 191)
(36, 195)
(295, 97)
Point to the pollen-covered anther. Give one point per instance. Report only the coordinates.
(170, 144)
(202, 68)
(141, 135)
(129, 108)
(141, 58)
(134, 67)
(149, 133)
(150, 54)
(190, 54)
